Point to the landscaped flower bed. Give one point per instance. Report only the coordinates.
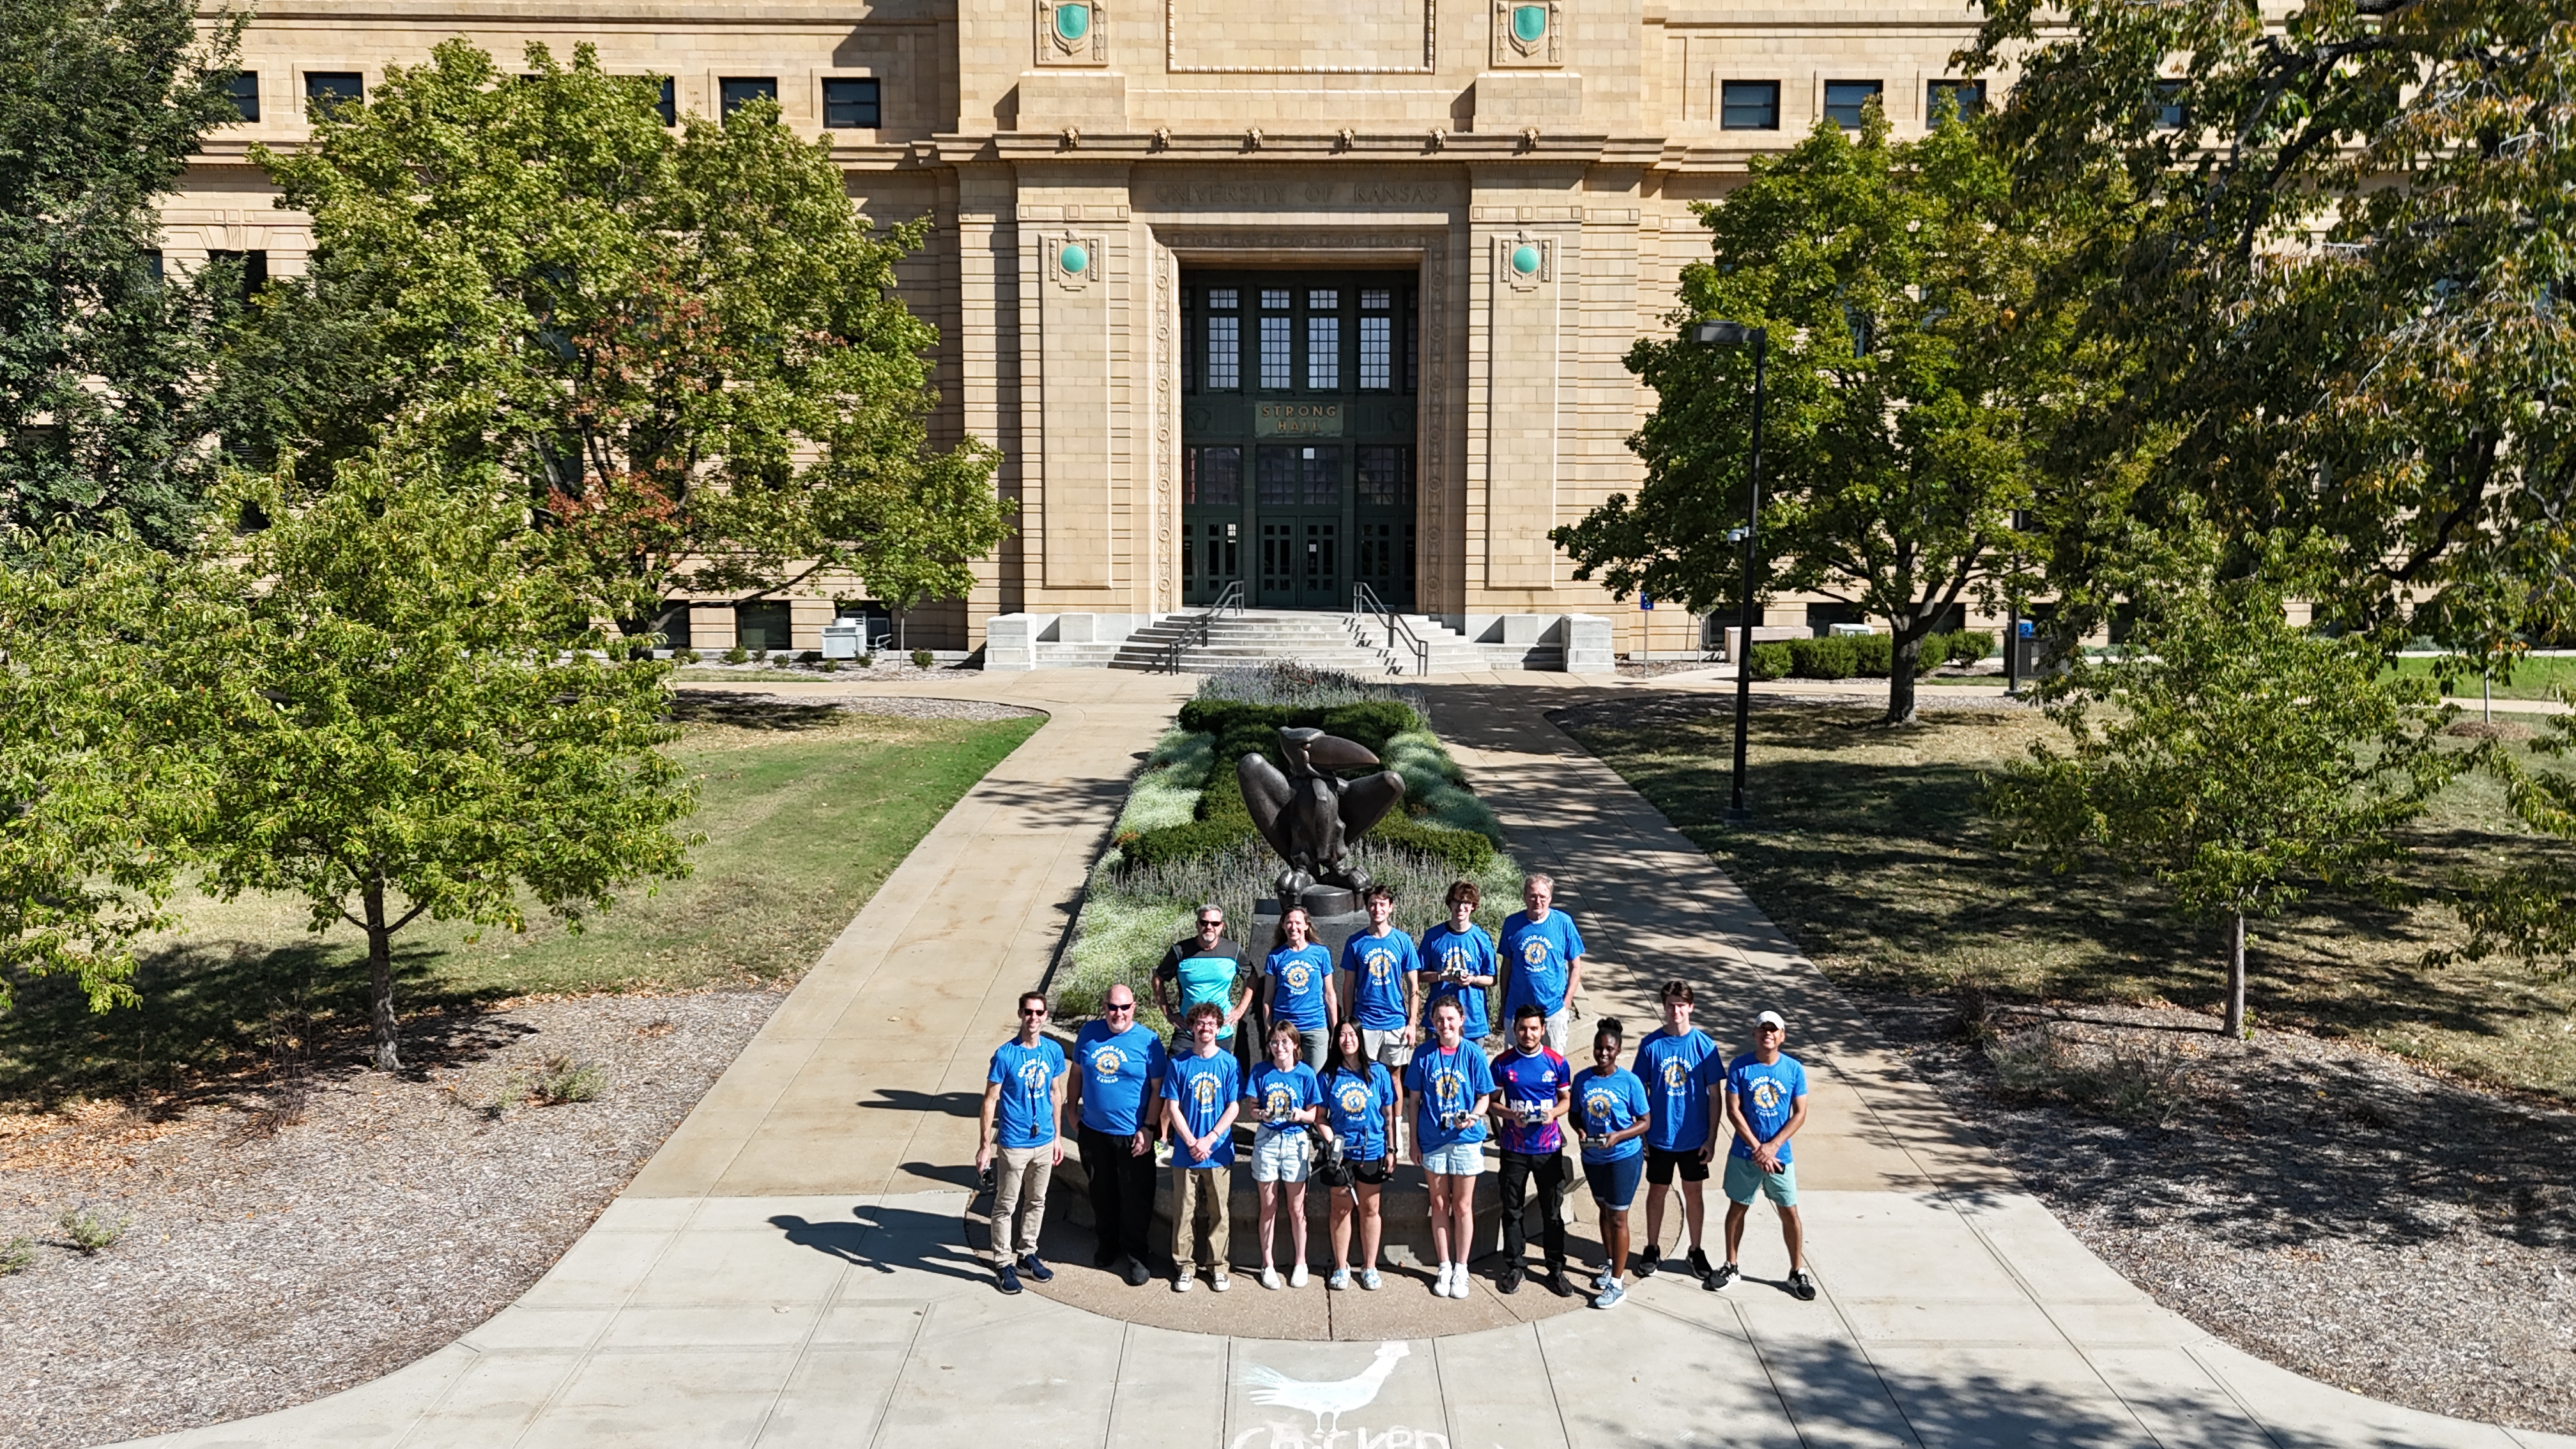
(1185, 836)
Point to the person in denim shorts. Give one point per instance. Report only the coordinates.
(1282, 1099)
(1450, 1083)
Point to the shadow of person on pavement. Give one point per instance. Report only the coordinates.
(888, 1240)
(938, 1104)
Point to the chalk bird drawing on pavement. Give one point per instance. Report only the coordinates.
(1327, 1402)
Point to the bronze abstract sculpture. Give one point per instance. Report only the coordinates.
(1310, 815)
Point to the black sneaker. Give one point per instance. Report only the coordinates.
(1136, 1274)
(1721, 1278)
(1647, 1262)
(1699, 1265)
(1509, 1281)
(1010, 1279)
(1105, 1258)
(1036, 1269)
(1555, 1277)
(1803, 1286)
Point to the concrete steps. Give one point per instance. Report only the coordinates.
(1353, 643)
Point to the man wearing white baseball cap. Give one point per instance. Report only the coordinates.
(1765, 1092)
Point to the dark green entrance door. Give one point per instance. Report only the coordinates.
(1297, 436)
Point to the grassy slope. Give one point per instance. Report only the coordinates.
(805, 812)
(1873, 855)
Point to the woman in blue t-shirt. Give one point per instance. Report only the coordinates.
(1610, 1103)
(1300, 977)
(1282, 1097)
(1359, 1105)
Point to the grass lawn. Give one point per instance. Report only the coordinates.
(2535, 678)
(1872, 854)
(805, 810)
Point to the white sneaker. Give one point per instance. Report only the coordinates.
(1217, 1281)
(1297, 1276)
(1182, 1281)
(1340, 1281)
(1270, 1279)
(1450, 1276)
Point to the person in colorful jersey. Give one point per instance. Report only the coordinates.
(1282, 1098)
(1299, 977)
(1450, 1083)
(1458, 963)
(1678, 1063)
(1615, 1112)
(1766, 1103)
(1533, 1089)
(1202, 1095)
(1117, 1092)
(1542, 959)
(1023, 1098)
(1359, 1105)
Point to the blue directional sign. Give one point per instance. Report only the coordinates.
(2028, 629)
(1645, 601)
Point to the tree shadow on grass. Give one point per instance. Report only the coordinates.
(752, 711)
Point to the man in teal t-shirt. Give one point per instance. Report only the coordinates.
(1208, 968)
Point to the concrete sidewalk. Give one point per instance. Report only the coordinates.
(793, 1268)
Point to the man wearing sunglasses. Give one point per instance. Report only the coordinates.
(1208, 968)
(1765, 1097)
(1023, 1099)
(1117, 1096)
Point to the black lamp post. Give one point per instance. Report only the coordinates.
(1738, 334)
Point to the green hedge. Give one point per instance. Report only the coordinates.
(1370, 724)
(1971, 646)
(1772, 661)
(1873, 655)
(1184, 842)
(1463, 851)
(1828, 658)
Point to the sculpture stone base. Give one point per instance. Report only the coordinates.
(1323, 900)
(1330, 931)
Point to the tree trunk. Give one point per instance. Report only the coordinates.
(2235, 1023)
(1900, 679)
(380, 979)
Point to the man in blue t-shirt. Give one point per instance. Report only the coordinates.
(1533, 1088)
(1458, 962)
(1766, 1104)
(1542, 960)
(1023, 1098)
(1383, 967)
(1118, 1089)
(1202, 1093)
(1672, 1062)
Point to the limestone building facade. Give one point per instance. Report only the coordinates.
(1310, 296)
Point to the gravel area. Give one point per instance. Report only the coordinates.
(756, 710)
(289, 1238)
(2316, 1203)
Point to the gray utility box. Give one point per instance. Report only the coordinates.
(844, 638)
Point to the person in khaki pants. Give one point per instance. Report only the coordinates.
(1203, 1091)
(1023, 1097)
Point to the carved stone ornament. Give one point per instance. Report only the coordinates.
(1529, 33)
(1072, 261)
(1524, 261)
(1072, 32)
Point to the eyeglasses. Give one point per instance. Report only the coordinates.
(1119, 1006)
(1207, 924)
(1766, 1026)
(1032, 1011)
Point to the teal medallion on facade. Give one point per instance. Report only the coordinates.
(1075, 259)
(1073, 22)
(1529, 23)
(1525, 259)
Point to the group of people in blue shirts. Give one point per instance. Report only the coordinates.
(1395, 1065)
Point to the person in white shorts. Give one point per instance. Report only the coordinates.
(1449, 1082)
(1282, 1098)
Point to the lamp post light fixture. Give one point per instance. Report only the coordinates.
(1739, 334)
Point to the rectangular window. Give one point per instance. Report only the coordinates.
(1274, 353)
(1274, 476)
(669, 106)
(154, 267)
(1323, 299)
(1319, 472)
(1274, 299)
(2169, 109)
(1223, 299)
(1386, 476)
(243, 89)
(1324, 352)
(1377, 346)
(1212, 475)
(849, 105)
(254, 269)
(1748, 106)
(762, 626)
(1971, 95)
(735, 92)
(324, 89)
(1844, 101)
(1224, 354)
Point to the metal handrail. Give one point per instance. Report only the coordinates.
(1365, 602)
(1195, 629)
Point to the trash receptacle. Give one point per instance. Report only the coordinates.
(842, 639)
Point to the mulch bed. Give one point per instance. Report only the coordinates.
(2316, 1203)
(311, 1231)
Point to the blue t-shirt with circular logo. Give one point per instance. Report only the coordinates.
(1275, 1090)
(1356, 1106)
(1766, 1095)
(1538, 960)
(1117, 1070)
(1444, 1083)
(1608, 1102)
(1472, 952)
(1024, 1114)
(1676, 1074)
(1298, 995)
(1200, 1089)
(1379, 964)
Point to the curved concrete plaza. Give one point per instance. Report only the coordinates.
(794, 1266)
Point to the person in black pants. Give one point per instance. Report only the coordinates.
(1533, 1089)
(1118, 1069)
